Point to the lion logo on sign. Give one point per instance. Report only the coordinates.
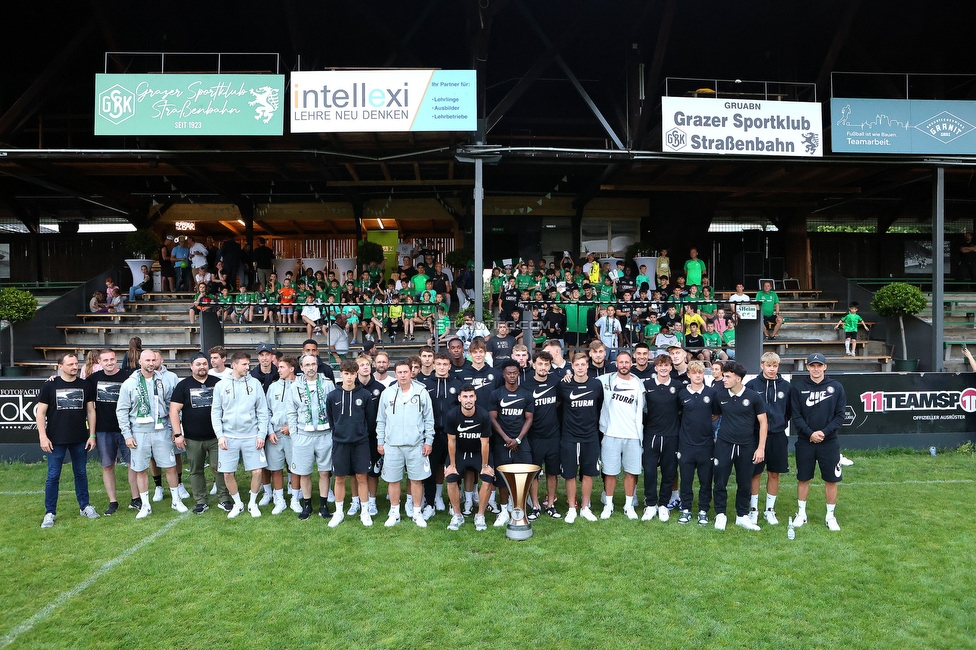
(267, 102)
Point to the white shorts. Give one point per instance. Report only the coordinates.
(615, 452)
(156, 445)
(310, 450)
(410, 457)
(237, 448)
(280, 455)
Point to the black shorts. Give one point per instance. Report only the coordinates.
(770, 321)
(851, 335)
(468, 462)
(576, 339)
(374, 455)
(579, 456)
(502, 455)
(350, 458)
(777, 455)
(546, 454)
(826, 454)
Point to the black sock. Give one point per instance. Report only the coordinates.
(307, 503)
(179, 478)
(158, 480)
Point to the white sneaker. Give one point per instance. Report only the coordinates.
(409, 507)
(418, 519)
(649, 513)
(89, 511)
(279, 507)
(144, 512)
(831, 523)
(331, 497)
(179, 506)
(587, 514)
(770, 516)
(48, 521)
(253, 510)
(157, 495)
(439, 503)
(630, 512)
(372, 509)
(502, 518)
(607, 511)
(365, 518)
(236, 510)
(746, 522)
(799, 519)
(845, 461)
(392, 520)
(336, 518)
(754, 515)
(456, 522)
(296, 505)
(213, 490)
(181, 491)
(480, 523)
(570, 516)
(353, 508)
(427, 512)
(265, 499)
(720, 521)
(663, 513)
(603, 498)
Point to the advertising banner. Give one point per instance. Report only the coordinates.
(388, 239)
(741, 127)
(898, 403)
(902, 126)
(189, 104)
(383, 101)
(18, 401)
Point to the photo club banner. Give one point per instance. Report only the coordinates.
(900, 126)
(741, 127)
(18, 401)
(189, 104)
(894, 403)
(383, 101)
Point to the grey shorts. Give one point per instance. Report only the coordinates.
(617, 452)
(280, 455)
(410, 457)
(237, 448)
(155, 445)
(111, 447)
(625, 452)
(310, 450)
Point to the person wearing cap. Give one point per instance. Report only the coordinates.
(189, 413)
(818, 405)
(737, 447)
(266, 371)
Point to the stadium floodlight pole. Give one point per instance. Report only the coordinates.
(938, 268)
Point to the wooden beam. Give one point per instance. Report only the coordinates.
(465, 182)
(730, 189)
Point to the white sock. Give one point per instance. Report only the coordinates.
(469, 497)
(628, 501)
(278, 495)
(237, 499)
(801, 507)
(354, 501)
(830, 509)
(338, 507)
(511, 503)
(175, 493)
(395, 510)
(254, 498)
(144, 497)
(675, 495)
(267, 488)
(770, 501)
(372, 501)
(754, 502)
(297, 494)
(437, 489)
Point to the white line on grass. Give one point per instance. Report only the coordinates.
(932, 482)
(48, 609)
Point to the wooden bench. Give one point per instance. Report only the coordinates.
(171, 349)
(799, 363)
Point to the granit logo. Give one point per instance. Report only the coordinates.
(945, 127)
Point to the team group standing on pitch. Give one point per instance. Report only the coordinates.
(449, 417)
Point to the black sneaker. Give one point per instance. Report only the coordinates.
(552, 512)
(493, 508)
(226, 506)
(324, 512)
(305, 513)
(135, 504)
(533, 514)
(112, 507)
(200, 508)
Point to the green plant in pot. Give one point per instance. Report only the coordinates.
(16, 306)
(897, 300)
(143, 244)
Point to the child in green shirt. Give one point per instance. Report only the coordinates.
(851, 321)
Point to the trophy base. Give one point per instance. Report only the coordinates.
(518, 532)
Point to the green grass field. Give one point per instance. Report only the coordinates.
(898, 575)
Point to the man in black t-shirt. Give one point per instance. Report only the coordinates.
(544, 387)
(468, 429)
(65, 406)
(111, 443)
(189, 412)
(510, 407)
(582, 399)
(500, 345)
